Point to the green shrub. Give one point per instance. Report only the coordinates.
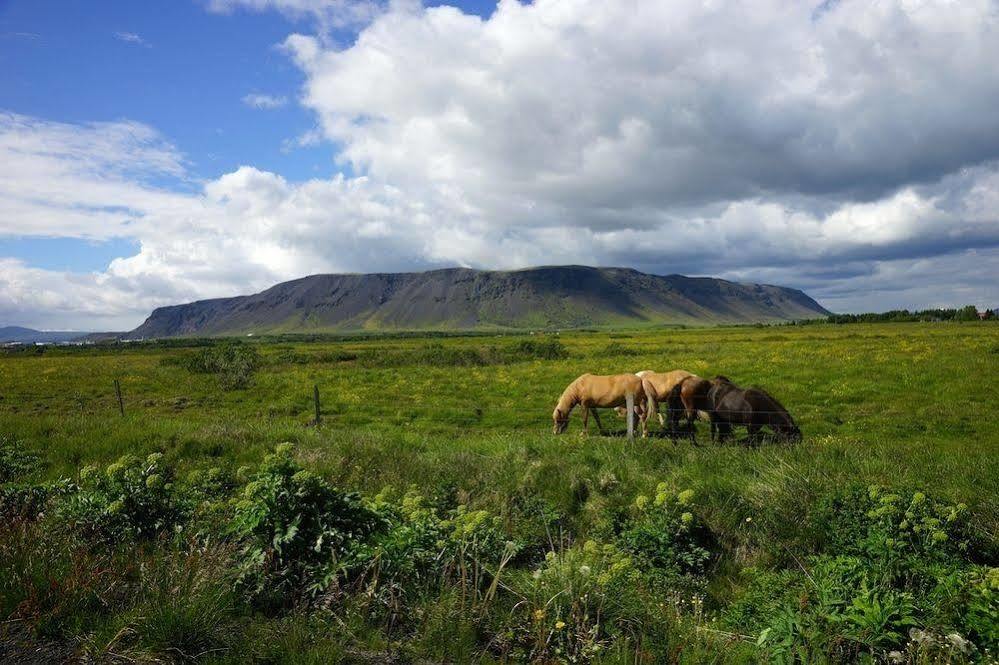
(424, 549)
(298, 528)
(888, 563)
(15, 462)
(233, 363)
(893, 526)
(132, 499)
(664, 534)
(545, 349)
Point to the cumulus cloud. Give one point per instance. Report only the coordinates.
(261, 101)
(852, 151)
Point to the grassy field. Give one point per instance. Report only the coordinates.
(476, 534)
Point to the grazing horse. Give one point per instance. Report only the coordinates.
(662, 383)
(689, 398)
(752, 407)
(592, 391)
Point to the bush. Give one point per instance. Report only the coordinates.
(898, 565)
(665, 535)
(132, 499)
(15, 462)
(298, 530)
(423, 549)
(233, 363)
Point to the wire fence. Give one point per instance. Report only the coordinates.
(156, 396)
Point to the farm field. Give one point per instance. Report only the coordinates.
(432, 515)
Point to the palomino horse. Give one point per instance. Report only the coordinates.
(592, 391)
(662, 383)
(752, 407)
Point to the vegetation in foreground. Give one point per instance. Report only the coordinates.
(430, 516)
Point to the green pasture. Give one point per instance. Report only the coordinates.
(906, 407)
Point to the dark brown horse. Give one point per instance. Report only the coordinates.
(688, 398)
(753, 408)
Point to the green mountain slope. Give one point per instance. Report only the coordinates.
(460, 298)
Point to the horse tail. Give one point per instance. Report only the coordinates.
(651, 408)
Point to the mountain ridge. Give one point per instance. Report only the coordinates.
(463, 298)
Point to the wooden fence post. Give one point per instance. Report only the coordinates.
(315, 395)
(117, 392)
(630, 401)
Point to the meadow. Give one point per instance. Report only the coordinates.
(432, 516)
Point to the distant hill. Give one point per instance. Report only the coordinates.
(461, 298)
(30, 336)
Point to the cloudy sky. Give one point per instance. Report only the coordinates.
(164, 151)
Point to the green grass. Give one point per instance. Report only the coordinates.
(467, 420)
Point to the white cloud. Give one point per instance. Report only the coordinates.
(852, 152)
(327, 14)
(261, 101)
(132, 38)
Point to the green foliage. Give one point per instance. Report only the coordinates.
(786, 544)
(297, 529)
(424, 549)
(892, 526)
(902, 561)
(666, 535)
(15, 462)
(576, 603)
(233, 363)
(133, 498)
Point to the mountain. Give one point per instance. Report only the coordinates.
(30, 336)
(461, 298)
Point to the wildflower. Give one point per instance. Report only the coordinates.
(687, 519)
(154, 481)
(895, 657)
(539, 615)
(959, 643)
(559, 625)
(685, 497)
(584, 570)
(641, 502)
(749, 519)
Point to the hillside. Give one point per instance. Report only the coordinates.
(460, 298)
(30, 336)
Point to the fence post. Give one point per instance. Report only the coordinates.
(630, 401)
(117, 392)
(315, 395)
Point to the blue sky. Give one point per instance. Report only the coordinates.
(163, 151)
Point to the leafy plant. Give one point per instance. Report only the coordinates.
(666, 535)
(131, 499)
(298, 528)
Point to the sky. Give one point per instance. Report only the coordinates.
(164, 151)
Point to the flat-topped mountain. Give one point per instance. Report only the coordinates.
(461, 298)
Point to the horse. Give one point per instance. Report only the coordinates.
(752, 407)
(662, 383)
(594, 391)
(689, 397)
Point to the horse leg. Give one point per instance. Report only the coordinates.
(752, 434)
(586, 421)
(724, 429)
(600, 425)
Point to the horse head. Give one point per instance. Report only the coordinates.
(560, 420)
